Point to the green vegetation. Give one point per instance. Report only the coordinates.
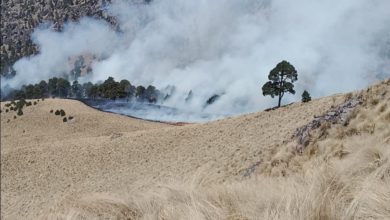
(20, 112)
(64, 119)
(109, 89)
(17, 106)
(57, 112)
(51, 111)
(62, 112)
(281, 81)
(306, 96)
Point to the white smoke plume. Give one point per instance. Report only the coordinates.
(225, 46)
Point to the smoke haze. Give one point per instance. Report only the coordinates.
(224, 47)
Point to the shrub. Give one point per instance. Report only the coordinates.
(6, 110)
(35, 103)
(8, 121)
(306, 96)
(12, 108)
(64, 119)
(7, 105)
(20, 104)
(28, 103)
(43, 99)
(14, 116)
(51, 111)
(62, 112)
(20, 112)
(70, 117)
(1, 111)
(57, 112)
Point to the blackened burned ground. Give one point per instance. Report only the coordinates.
(150, 112)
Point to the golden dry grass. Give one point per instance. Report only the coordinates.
(90, 169)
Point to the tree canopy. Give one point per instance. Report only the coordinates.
(306, 96)
(281, 80)
(109, 89)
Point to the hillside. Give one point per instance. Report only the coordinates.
(102, 165)
(19, 18)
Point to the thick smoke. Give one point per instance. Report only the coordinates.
(225, 47)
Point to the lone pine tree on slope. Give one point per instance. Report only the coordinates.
(306, 96)
(281, 81)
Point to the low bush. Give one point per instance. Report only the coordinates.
(6, 110)
(62, 112)
(57, 112)
(51, 111)
(70, 117)
(35, 103)
(28, 103)
(14, 116)
(20, 112)
(306, 96)
(64, 119)
(20, 104)
(7, 105)
(12, 108)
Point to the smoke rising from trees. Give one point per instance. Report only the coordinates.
(223, 47)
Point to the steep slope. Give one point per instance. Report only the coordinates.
(243, 167)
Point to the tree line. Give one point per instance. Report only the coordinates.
(109, 89)
(281, 81)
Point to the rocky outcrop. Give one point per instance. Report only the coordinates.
(339, 114)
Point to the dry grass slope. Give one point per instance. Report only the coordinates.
(199, 171)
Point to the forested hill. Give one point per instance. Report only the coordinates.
(20, 17)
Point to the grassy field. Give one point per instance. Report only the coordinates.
(105, 166)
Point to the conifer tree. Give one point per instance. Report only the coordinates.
(306, 96)
(281, 81)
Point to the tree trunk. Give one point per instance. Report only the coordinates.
(280, 100)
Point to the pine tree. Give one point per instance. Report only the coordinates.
(306, 96)
(140, 92)
(281, 81)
